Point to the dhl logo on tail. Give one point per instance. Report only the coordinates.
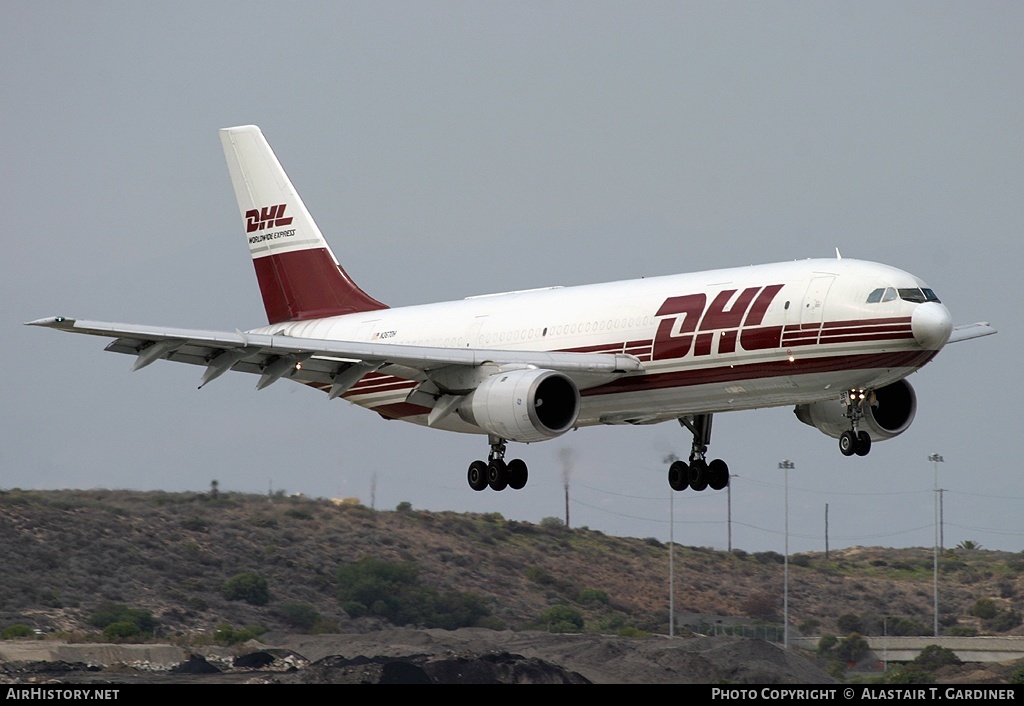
(266, 218)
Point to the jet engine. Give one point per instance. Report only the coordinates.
(892, 412)
(523, 405)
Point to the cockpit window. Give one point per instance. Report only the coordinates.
(912, 295)
(909, 294)
(918, 296)
(882, 294)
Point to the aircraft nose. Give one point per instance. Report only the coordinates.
(931, 324)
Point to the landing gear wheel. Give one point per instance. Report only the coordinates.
(847, 443)
(698, 474)
(679, 475)
(863, 445)
(517, 474)
(718, 474)
(477, 475)
(497, 475)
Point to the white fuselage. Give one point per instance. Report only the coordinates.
(731, 339)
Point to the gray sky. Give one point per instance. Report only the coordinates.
(456, 148)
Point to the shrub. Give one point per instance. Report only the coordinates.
(826, 643)
(392, 590)
(122, 630)
(910, 675)
(1004, 620)
(761, 605)
(905, 627)
(301, 616)
(111, 613)
(984, 608)
(809, 626)
(848, 622)
(562, 618)
(246, 586)
(227, 635)
(932, 657)
(836, 670)
(17, 630)
(769, 557)
(540, 575)
(1018, 675)
(592, 595)
(852, 648)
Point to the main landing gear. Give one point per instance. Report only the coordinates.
(497, 474)
(698, 473)
(853, 440)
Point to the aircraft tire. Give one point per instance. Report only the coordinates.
(497, 475)
(699, 474)
(517, 474)
(679, 475)
(718, 474)
(847, 443)
(863, 445)
(477, 475)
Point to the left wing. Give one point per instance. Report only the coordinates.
(335, 364)
(969, 331)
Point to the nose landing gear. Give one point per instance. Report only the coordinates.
(854, 440)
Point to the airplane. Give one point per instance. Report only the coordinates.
(833, 338)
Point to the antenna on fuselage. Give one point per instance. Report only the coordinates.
(839, 255)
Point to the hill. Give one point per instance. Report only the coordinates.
(196, 563)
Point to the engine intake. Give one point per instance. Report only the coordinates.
(893, 411)
(524, 405)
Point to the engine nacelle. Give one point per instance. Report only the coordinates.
(893, 411)
(524, 405)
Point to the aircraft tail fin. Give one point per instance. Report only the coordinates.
(299, 276)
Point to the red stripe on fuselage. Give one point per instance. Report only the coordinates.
(757, 371)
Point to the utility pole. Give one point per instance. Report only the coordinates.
(728, 512)
(826, 531)
(942, 523)
(566, 486)
(671, 564)
(936, 459)
(785, 465)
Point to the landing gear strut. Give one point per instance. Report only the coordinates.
(496, 474)
(853, 440)
(698, 473)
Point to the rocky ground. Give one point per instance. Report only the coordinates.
(427, 656)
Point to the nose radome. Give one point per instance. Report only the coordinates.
(931, 324)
